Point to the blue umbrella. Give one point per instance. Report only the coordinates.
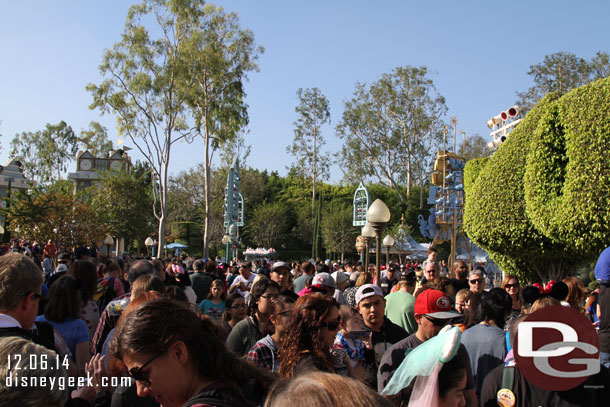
(176, 246)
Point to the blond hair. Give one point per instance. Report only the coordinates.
(45, 392)
(19, 275)
(322, 390)
(464, 294)
(544, 302)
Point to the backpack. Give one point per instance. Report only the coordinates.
(105, 293)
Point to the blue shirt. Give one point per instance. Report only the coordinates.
(212, 310)
(74, 331)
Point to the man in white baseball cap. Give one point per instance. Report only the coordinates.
(384, 333)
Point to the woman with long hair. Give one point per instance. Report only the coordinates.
(63, 312)
(178, 359)
(84, 271)
(314, 322)
(576, 293)
(247, 332)
(513, 288)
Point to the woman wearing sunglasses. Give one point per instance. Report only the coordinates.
(180, 360)
(314, 323)
(513, 288)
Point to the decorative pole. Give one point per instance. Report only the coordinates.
(378, 216)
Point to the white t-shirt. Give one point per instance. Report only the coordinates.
(240, 279)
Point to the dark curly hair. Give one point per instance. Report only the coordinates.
(304, 334)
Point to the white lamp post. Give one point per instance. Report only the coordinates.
(388, 242)
(368, 233)
(378, 216)
(148, 243)
(108, 241)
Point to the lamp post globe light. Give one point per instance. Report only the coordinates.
(388, 242)
(149, 243)
(226, 240)
(360, 247)
(378, 216)
(368, 233)
(108, 241)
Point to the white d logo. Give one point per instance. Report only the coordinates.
(525, 335)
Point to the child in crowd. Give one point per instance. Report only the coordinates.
(461, 300)
(235, 311)
(347, 350)
(214, 305)
(264, 353)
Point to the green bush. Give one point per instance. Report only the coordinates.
(472, 170)
(495, 213)
(567, 180)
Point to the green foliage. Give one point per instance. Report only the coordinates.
(472, 170)
(184, 82)
(539, 206)
(312, 113)
(125, 204)
(562, 72)
(567, 182)
(95, 140)
(391, 129)
(45, 154)
(495, 215)
(475, 147)
(268, 224)
(338, 234)
(54, 212)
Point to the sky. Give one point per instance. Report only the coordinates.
(479, 53)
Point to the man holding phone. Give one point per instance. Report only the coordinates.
(384, 333)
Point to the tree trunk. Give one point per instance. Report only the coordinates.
(409, 178)
(315, 171)
(206, 195)
(162, 217)
(421, 190)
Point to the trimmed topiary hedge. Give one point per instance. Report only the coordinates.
(495, 212)
(567, 179)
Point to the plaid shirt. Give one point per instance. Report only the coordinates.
(264, 356)
(108, 320)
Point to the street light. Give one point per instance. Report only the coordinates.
(378, 216)
(360, 247)
(388, 242)
(108, 241)
(226, 240)
(149, 243)
(368, 233)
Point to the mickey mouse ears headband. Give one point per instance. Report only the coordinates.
(557, 290)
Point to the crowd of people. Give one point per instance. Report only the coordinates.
(199, 332)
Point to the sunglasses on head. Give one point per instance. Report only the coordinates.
(477, 281)
(139, 375)
(436, 321)
(331, 326)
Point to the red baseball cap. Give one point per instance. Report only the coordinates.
(436, 304)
